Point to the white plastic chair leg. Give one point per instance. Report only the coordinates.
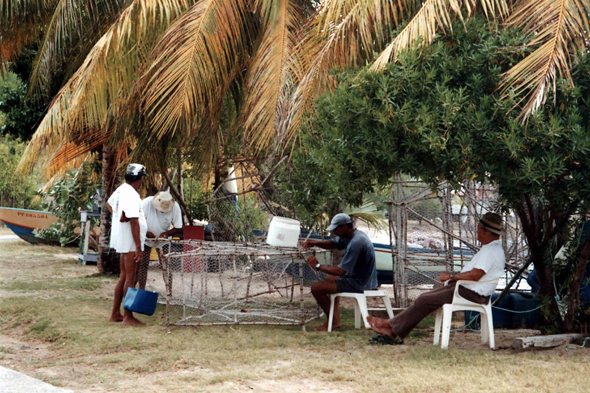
(437, 326)
(484, 326)
(331, 316)
(446, 326)
(364, 311)
(388, 307)
(357, 314)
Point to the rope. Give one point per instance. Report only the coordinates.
(467, 325)
(578, 346)
(516, 312)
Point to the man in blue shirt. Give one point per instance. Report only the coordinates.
(356, 273)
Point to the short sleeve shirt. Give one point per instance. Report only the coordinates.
(158, 222)
(359, 260)
(126, 199)
(491, 260)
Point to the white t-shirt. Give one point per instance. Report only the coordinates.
(158, 222)
(491, 260)
(126, 199)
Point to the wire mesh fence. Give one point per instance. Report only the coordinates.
(221, 283)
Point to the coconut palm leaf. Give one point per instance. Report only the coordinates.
(99, 87)
(558, 26)
(270, 78)
(72, 25)
(434, 15)
(192, 62)
(340, 34)
(20, 23)
(369, 214)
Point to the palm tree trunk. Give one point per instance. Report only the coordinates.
(108, 259)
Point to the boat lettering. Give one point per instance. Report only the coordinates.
(32, 215)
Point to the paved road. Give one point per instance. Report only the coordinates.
(15, 382)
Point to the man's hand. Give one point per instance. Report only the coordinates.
(312, 261)
(138, 254)
(445, 276)
(308, 243)
(150, 235)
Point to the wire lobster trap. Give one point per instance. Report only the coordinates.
(225, 283)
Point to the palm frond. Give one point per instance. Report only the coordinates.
(434, 15)
(192, 61)
(558, 27)
(97, 89)
(21, 22)
(72, 23)
(270, 78)
(367, 213)
(341, 34)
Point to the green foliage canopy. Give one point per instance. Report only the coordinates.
(436, 115)
(15, 190)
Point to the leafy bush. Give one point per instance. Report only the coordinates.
(68, 195)
(16, 190)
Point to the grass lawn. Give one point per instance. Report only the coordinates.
(54, 326)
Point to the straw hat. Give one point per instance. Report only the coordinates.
(492, 222)
(163, 201)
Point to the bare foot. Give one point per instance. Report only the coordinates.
(132, 321)
(324, 327)
(116, 317)
(380, 326)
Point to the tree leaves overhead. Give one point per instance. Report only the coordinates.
(192, 63)
(560, 27)
(147, 79)
(271, 76)
(100, 87)
(435, 15)
(72, 25)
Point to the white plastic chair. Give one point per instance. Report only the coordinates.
(445, 313)
(360, 306)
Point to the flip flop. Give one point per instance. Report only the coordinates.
(383, 339)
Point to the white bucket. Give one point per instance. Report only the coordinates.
(283, 232)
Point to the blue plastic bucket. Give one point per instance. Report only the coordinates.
(140, 301)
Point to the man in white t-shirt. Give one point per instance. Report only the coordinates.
(486, 265)
(128, 234)
(164, 219)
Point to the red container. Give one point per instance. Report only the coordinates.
(193, 232)
(192, 263)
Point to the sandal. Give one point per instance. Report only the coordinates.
(383, 339)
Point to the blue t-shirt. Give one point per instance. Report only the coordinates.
(359, 260)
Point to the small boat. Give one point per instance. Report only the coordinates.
(23, 222)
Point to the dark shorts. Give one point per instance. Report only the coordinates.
(345, 285)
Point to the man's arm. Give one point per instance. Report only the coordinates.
(136, 238)
(472, 275)
(172, 232)
(332, 270)
(325, 244)
(109, 207)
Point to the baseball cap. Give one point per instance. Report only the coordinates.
(339, 219)
(136, 170)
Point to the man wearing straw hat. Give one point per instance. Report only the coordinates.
(487, 265)
(164, 219)
(356, 273)
(127, 237)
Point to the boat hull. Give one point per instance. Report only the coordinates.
(23, 222)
